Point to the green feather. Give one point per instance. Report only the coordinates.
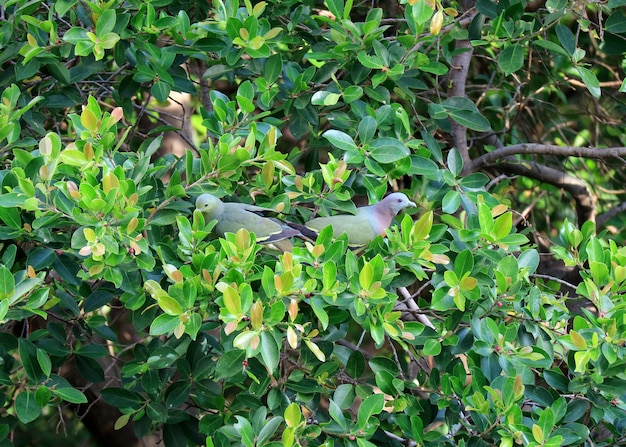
(232, 216)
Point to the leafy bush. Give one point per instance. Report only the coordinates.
(116, 300)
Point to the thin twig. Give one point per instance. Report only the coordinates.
(412, 305)
(553, 278)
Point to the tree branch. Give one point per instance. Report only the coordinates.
(606, 216)
(546, 149)
(458, 77)
(585, 201)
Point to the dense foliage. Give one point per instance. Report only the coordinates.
(119, 306)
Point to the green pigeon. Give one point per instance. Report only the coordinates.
(366, 224)
(232, 216)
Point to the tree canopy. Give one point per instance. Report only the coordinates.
(491, 314)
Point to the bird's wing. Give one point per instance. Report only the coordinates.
(237, 216)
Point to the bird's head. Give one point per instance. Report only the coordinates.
(208, 204)
(396, 202)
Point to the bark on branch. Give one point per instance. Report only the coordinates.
(606, 216)
(545, 149)
(585, 201)
(458, 78)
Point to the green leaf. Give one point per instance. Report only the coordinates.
(340, 140)
(455, 162)
(421, 12)
(616, 23)
(273, 68)
(388, 150)
(513, 240)
(232, 300)
(42, 396)
(292, 415)
(511, 58)
(325, 98)
(432, 347)
(366, 276)
(229, 364)
(62, 6)
(334, 411)
(352, 93)
(4, 309)
(270, 351)
(546, 420)
(26, 407)
(245, 97)
(591, 81)
(75, 35)
(73, 157)
(503, 225)
(70, 395)
(551, 46)
(451, 202)
(355, 367)
(105, 23)
(370, 406)
(268, 430)
(488, 8)
(566, 37)
(161, 90)
(465, 112)
(245, 431)
(464, 263)
(28, 356)
(109, 40)
(11, 217)
(169, 305)
(578, 340)
(367, 129)
(121, 398)
(370, 61)
(7, 282)
(44, 362)
(164, 324)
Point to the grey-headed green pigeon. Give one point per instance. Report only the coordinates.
(232, 216)
(369, 222)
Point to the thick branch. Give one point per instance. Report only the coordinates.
(605, 217)
(585, 201)
(458, 78)
(546, 149)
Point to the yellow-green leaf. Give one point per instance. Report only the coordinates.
(256, 315)
(109, 182)
(578, 340)
(90, 235)
(316, 350)
(73, 157)
(538, 433)
(246, 339)
(366, 276)
(232, 300)
(293, 415)
(169, 305)
(272, 33)
(468, 283)
(89, 120)
(422, 227)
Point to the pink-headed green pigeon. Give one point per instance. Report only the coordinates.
(367, 223)
(232, 216)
